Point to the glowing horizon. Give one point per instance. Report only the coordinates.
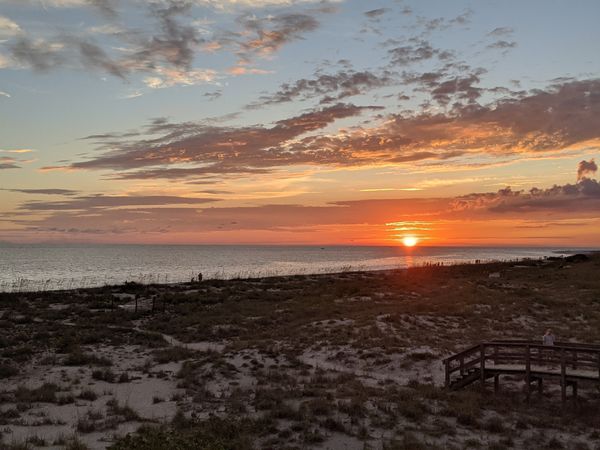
(301, 122)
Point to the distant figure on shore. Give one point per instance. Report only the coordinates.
(199, 277)
(548, 338)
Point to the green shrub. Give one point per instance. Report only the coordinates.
(104, 375)
(213, 434)
(7, 371)
(46, 393)
(78, 358)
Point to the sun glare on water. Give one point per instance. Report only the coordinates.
(409, 241)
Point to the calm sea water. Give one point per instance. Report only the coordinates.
(43, 267)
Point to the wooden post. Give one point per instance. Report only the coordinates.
(574, 359)
(136, 303)
(540, 386)
(528, 370)
(495, 359)
(575, 389)
(496, 383)
(447, 368)
(563, 377)
(482, 365)
(462, 365)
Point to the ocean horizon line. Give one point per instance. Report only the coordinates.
(4, 244)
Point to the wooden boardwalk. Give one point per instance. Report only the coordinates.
(567, 362)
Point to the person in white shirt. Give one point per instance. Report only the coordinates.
(548, 338)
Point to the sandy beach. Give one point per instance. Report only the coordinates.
(340, 361)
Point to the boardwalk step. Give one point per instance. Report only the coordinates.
(469, 377)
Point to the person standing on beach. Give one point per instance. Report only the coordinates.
(548, 338)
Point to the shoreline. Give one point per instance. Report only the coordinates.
(562, 253)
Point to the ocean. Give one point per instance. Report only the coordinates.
(51, 267)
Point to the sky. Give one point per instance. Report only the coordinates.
(300, 122)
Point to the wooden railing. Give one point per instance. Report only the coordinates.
(523, 354)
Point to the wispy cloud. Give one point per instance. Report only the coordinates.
(8, 28)
(231, 5)
(410, 189)
(330, 87)
(217, 150)
(502, 45)
(165, 51)
(501, 32)
(43, 191)
(265, 36)
(559, 118)
(576, 203)
(8, 163)
(94, 202)
(18, 150)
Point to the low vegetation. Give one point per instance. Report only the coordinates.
(350, 360)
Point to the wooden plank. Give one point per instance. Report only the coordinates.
(482, 365)
(582, 357)
(563, 378)
(447, 367)
(528, 370)
(465, 352)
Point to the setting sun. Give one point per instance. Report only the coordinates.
(409, 241)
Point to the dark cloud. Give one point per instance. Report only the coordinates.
(586, 168)
(269, 34)
(409, 54)
(44, 191)
(215, 192)
(217, 169)
(462, 19)
(93, 57)
(441, 24)
(175, 44)
(459, 88)
(584, 196)
(557, 118)
(374, 13)
(38, 55)
(374, 16)
(331, 87)
(502, 45)
(219, 149)
(580, 201)
(7, 162)
(106, 201)
(4, 166)
(168, 48)
(213, 95)
(501, 31)
(544, 120)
